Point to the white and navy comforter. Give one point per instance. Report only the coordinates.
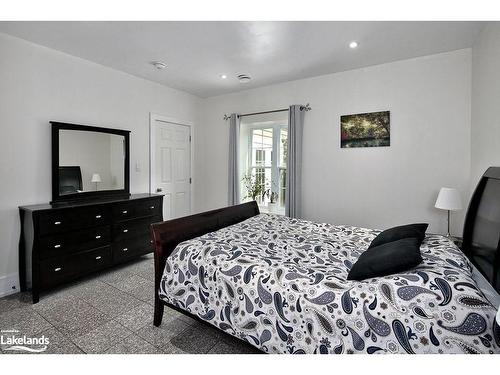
(280, 284)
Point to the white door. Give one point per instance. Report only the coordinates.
(171, 167)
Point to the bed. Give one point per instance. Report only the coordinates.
(280, 285)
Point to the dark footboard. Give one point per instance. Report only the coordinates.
(168, 234)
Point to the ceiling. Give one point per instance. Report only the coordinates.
(198, 53)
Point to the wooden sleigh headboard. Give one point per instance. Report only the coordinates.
(168, 234)
(481, 238)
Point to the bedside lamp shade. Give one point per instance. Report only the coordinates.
(96, 177)
(449, 199)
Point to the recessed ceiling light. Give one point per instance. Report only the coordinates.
(244, 78)
(159, 65)
(353, 44)
(223, 76)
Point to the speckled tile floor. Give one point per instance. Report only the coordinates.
(110, 312)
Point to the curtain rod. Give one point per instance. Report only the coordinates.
(302, 108)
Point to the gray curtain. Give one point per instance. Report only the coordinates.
(294, 162)
(234, 152)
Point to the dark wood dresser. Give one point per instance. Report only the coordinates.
(61, 242)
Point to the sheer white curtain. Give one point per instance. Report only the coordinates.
(234, 156)
(294, 163)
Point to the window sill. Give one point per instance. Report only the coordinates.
(264, 209)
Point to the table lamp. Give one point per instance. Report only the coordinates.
(96, 178)
(449, 199)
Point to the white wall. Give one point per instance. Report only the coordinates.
(37, 85)
(429, 100)
(485, 128)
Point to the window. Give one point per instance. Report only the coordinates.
(264, 161)
(283, 144)
(261, 163)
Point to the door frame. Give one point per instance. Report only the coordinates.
(153, 117)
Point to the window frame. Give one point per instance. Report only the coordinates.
(275, 167)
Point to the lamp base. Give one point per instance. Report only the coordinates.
(448, 234)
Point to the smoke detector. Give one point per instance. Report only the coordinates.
(159, 65)
(243, 78)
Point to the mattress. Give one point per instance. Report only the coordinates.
(280, 284)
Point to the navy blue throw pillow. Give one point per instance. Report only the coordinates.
(387, 259)
(398, 233)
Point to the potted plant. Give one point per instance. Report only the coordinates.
(272, 206)
(253, 187)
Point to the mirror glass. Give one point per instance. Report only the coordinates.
(90, 161)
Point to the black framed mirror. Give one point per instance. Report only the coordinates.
(89, 162)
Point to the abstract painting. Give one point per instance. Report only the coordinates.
(365, 130)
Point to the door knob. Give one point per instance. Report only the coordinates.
(159, 190)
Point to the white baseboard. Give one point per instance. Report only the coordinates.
(9, 284)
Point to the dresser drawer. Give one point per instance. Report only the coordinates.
(64, 220)
(59, 269)
(133, 228)
(137, 209)
(127, 249)
(72, 242)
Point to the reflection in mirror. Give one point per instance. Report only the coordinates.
(90, 161)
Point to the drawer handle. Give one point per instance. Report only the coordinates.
(125, 230)
(57, 223)
(57, 269)
(98, 257)
(97, 237)
(124, 212)
(125, 249)
(57, 246)
(98, 216)
(152, 207)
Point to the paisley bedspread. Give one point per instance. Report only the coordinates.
(280, 284)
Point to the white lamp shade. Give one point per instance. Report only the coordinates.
(96, 177)
(449, 199)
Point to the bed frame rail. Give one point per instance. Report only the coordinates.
(168, 234)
